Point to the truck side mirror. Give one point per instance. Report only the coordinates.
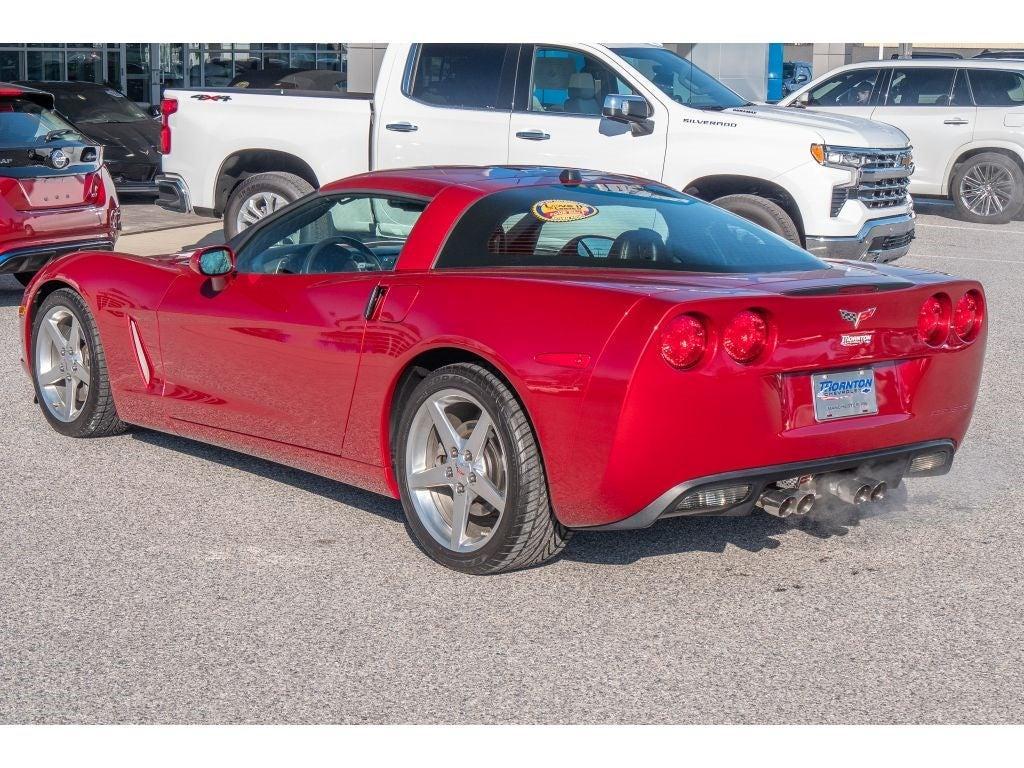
(626, 108)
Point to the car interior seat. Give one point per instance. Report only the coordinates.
(639, 245)
(582, 95)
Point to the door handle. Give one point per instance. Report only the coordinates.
(533, 135)
(402, 127)
(955, 121)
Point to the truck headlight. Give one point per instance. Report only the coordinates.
(836, 158)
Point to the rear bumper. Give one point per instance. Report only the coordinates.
(890, 464)
(31, 258)
(878, 240)
(173, 193)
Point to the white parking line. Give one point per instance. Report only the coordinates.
(963, 258)
(973, 229)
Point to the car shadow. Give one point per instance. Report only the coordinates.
(946, 210)
(331, 490)
(214, 238)
(677, 536)
(11, 291)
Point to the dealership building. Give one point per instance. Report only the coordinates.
(143, 70)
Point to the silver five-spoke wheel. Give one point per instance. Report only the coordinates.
(256, 207)
(63, 361)
(987, 189)
(457, 469)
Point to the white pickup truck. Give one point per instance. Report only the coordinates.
(834, 183)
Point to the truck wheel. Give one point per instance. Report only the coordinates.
(988, 189)
(259, 196)
(762, 212)
(471, 477)
(69, 369)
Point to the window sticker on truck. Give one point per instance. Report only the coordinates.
(562, 210)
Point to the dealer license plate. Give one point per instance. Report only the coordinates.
(845, 394)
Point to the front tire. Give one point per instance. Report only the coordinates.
(69, 369)
(762, 212)
(259, 196)
(470, 475)
(988, 189)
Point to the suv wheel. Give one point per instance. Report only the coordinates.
(988, 189)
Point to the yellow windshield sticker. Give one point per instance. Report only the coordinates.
(562, 210)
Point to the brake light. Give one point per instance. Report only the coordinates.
(746, 336)
(167, 108)
(96, 192)
(933, 320)
(967, 316)
(684, 341)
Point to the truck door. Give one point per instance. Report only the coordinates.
(451, 106)
(557, 117)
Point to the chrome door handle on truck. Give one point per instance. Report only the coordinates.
(956, 121)
(402, 127)
(533, 135)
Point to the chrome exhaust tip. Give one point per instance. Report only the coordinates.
(880, 491)
(852, 490)
(805, 504)
(778, 502)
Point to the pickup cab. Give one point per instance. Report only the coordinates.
(836, 184)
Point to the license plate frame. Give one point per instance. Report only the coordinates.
(848, 394)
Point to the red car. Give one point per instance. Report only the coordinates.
(520, 352)
(55, 194)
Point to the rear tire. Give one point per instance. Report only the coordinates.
(72, 348)
(762, 212)
(259, 196)
(988, 189)
(507, 522)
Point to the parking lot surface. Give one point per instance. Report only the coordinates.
(146, 578)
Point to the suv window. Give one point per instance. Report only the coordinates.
(357, 233)
(920, 87)
(852, 88)
(467, 75)
(571, 82)
(997, 87)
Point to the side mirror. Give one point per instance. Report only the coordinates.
(802, 100)
(626, 108)
(212, 261)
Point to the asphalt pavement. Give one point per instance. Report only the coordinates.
(147, 578)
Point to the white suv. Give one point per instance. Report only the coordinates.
(965, 120)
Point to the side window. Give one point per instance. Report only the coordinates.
(997, 87)
(571, 83)
(852, 88)
(467, 75)
(358, 233)
(920, 87)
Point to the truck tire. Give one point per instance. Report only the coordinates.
(762, 212)
(259, 196)
(988, 189)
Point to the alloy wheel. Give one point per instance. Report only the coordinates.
(986, 189)
(63, 361)
(457, 470)
(256, 207)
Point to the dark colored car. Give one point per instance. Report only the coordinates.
(130, 136)
(55, 195)
(292, 79)
(1002, 54)
(794, 75)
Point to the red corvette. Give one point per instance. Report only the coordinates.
(519, 352)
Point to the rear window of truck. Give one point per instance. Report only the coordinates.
(618, 226)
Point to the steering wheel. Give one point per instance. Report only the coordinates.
(347, 244)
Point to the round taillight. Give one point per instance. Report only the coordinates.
(967, 316)
(683, 341)
(746, 336)
(933, 321)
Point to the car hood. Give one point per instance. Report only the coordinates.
(840, 130)
(137, 140)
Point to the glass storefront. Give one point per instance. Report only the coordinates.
(143, 70)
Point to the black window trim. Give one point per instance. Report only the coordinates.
(504, 87)
(243, 239)
(519, 109)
